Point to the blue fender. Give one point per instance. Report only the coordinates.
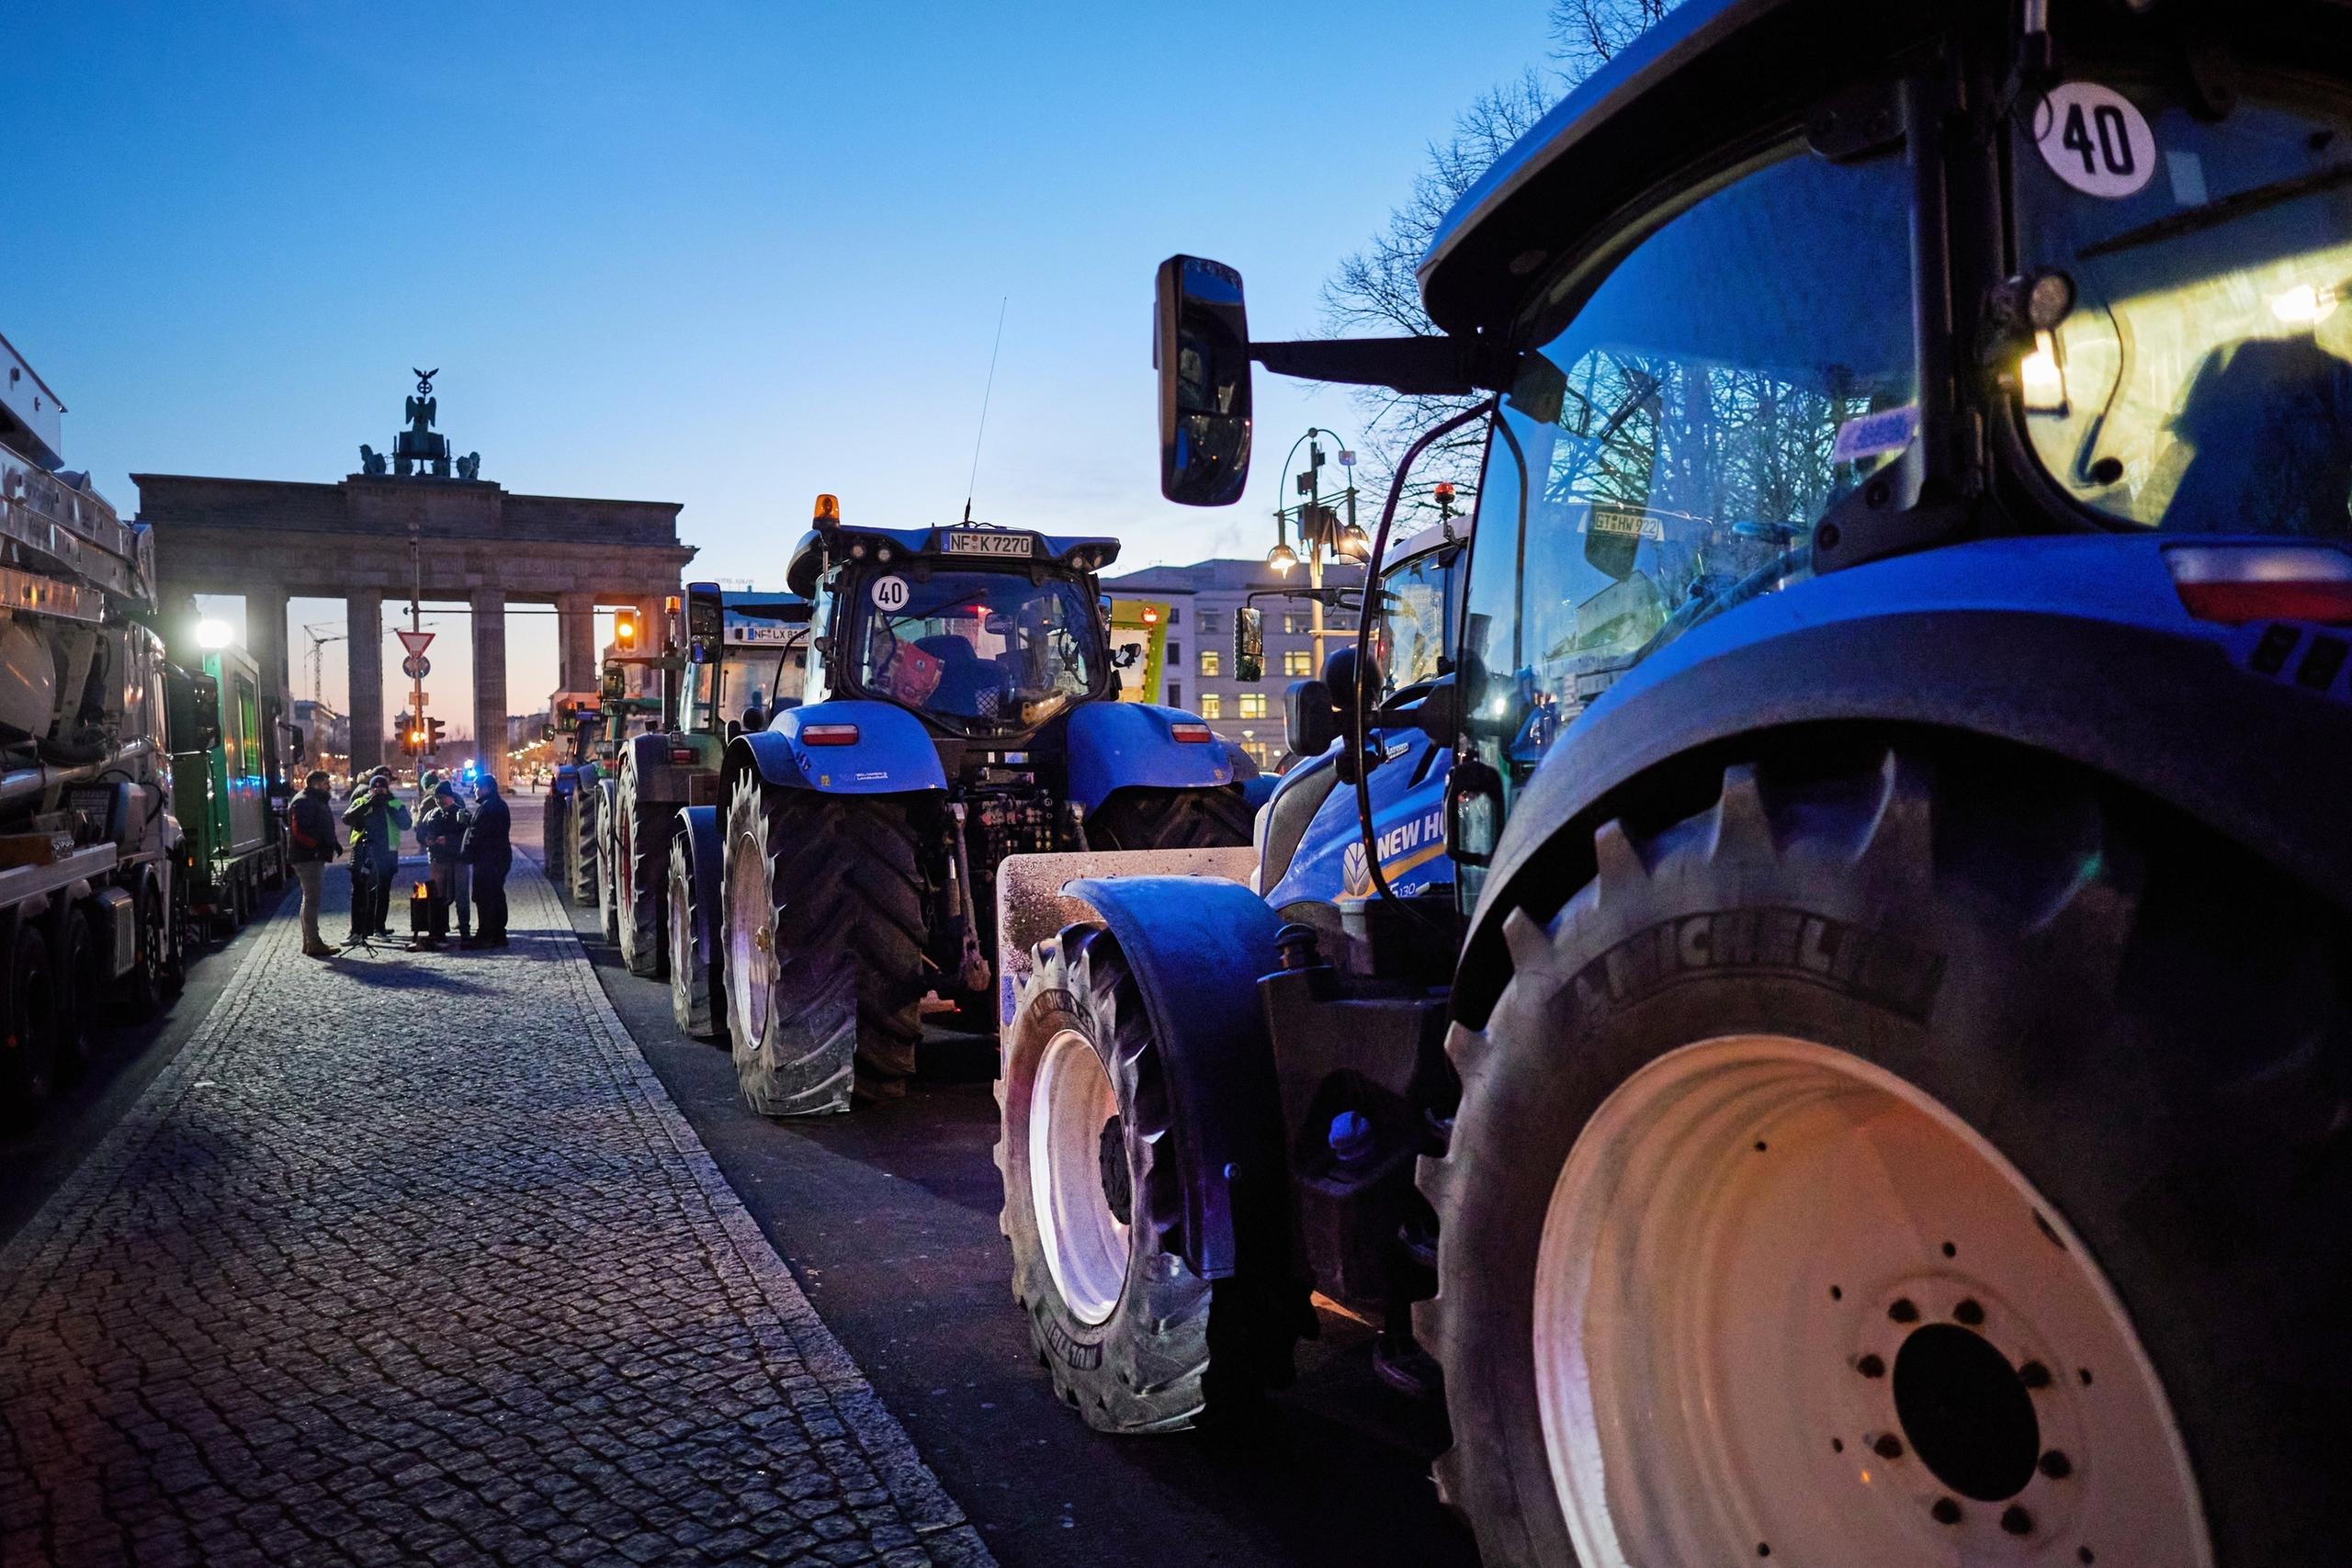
(2075, 647)
(1115, 744)
(698, 825)
(1196, 947)
(893, 754)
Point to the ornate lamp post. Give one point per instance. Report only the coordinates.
(1322, 529)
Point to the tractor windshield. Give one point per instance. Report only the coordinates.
(1727, 380)
(2203, 380)
(984, 651)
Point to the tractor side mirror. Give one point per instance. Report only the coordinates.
(1439, 712)
(705, 622)
(294, 742)
(1310, 720)
(1249, 644)
(1201, 348)
(614, 684)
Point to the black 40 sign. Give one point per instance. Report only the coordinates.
(2095, 140)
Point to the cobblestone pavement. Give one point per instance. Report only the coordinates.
(410, 1258)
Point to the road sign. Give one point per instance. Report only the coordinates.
(415, 642)
(416, 667)
(422, 698)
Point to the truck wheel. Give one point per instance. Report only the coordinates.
(692, 983)
(1919, 1162)
(1136, 1341)
(642, 866)
(78, 992)
(141, 994)
(825, 927)
(29, 1027)
(1171, 819)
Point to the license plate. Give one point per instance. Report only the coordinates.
(961, 543)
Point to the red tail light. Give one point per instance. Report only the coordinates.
(829, 735)
(1191, 733)
(2236, 583)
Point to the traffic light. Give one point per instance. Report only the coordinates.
(625, 630)
(413, 741)
(433, 736)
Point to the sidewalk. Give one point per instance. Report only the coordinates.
(409, 1257)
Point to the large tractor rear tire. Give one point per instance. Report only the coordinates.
(579, 864)
(1912, 1162)
(1171, 819)
(554, 826)
(825, 930)
(607, 872)
(1093, 1208)
(697, 1001)
(641, 860)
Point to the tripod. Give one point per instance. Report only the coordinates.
(371, 902)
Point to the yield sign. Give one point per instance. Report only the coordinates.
(415, 642)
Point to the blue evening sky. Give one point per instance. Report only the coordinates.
(725, 255)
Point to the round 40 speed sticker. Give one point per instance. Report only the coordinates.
(890, 593)
(2095, 140)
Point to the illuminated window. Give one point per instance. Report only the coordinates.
(1297, 661)
(1260, 753)
(1208, 662)
(1251, 705)
(1212, 705)
(1292, 623)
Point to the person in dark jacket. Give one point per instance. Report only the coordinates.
(377, 820)
(310, 833)
(489, 849)
(442, 831)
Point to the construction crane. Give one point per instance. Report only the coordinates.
(318, 656)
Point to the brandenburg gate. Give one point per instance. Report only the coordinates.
(431, 524)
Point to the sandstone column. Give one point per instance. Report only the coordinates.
(576, 641)
(490, 681)
(364, 614)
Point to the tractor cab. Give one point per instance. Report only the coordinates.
(986, 634)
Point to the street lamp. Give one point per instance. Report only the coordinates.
(1321, 530)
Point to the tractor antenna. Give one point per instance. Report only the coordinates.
(987, 393)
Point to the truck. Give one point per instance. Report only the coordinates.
(1871, 1089)
(748, 661)
(88, 839)
(232, 757)
(961, 705)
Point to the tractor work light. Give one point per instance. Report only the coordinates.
(1191, 733)
(2236, 583)
(213, 633)
(829, 735)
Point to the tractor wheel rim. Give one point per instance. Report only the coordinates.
(1084, 1243)
(1787, 1305)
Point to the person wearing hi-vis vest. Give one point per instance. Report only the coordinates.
(377, 820)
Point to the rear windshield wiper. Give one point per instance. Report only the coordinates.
(2224, 209)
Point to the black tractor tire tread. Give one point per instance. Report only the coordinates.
(607, 878)
(579, 864)
(848, 896)
(1178, 1351)
(643, 863)
(695, 996)
(2141, 1017)
(1141, 818)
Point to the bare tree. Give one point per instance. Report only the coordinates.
(1374, 291)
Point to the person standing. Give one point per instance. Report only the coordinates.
(489, 849)
(376, 820)
(311, 827)
(440, 832)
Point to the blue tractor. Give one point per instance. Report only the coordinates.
(959, 706)
(1877, 1086)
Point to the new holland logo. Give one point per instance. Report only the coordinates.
(1354, 871)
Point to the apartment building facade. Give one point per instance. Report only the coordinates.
(1197, 663)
